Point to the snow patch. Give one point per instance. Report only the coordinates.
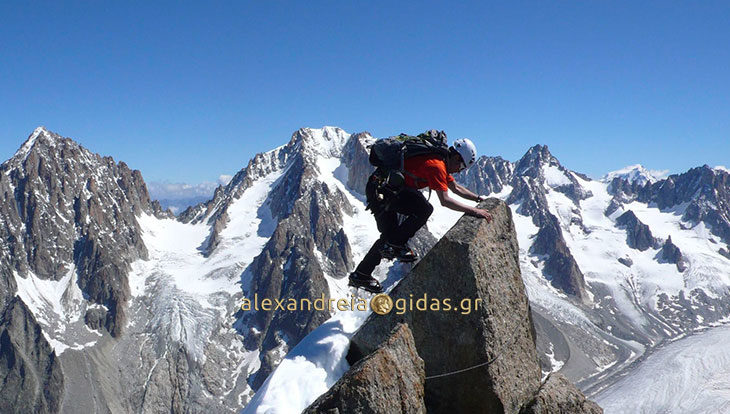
(57, 305)
(50, 299)
(554, 177)
(310, 368)
(555, 364)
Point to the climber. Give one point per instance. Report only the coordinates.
(430, 169)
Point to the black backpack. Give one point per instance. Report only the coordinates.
(389, 154)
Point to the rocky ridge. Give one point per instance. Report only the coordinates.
(525, 183)
(638, 234)
(703, 192)
(293, 264)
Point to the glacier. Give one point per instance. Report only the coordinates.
(688, 376)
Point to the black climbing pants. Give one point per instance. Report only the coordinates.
(409, 203)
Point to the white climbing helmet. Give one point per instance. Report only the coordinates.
(467, 150)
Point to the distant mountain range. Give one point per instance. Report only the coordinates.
(178, 205)
(111, 303)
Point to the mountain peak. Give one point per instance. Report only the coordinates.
(40, 135)
(539, 149)
(28, 144)
(327, 141)
(538, 153)
(40, 130)
(635, 174)
(534, 159)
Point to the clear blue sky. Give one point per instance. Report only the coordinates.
(186, 91)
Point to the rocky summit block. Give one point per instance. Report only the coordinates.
(476, 262)
(390, 380)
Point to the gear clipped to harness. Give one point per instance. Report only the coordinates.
(389, 154)
(389, 185)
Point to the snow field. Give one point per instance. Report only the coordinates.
(57, 305)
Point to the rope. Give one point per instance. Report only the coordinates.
(482, 364)
(462, 370)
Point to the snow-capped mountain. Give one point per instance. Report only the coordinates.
(69, 231)
(261, 215)
(110, 303)
(634, 174)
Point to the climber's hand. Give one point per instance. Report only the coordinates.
(483, 214)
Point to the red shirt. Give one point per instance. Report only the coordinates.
(430, 170)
